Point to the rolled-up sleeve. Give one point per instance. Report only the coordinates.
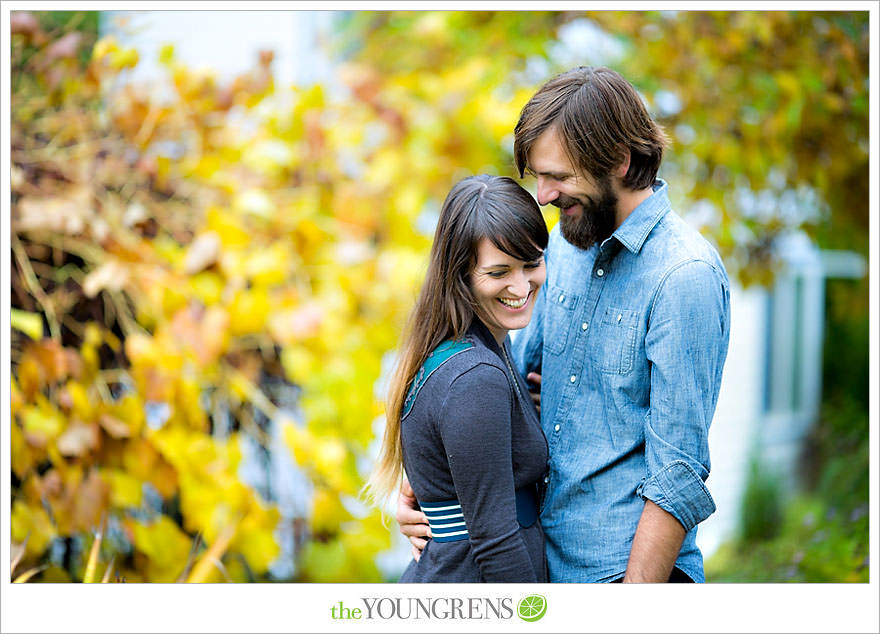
(686, 345)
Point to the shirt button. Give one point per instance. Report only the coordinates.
(561, 297)
(556, 428)
(584, 326)
(546, 479)
(600, 272)
(572, 378)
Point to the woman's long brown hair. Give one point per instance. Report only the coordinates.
(482, 206)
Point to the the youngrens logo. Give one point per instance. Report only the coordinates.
(530, 608)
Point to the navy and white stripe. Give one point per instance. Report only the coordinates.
(446, 520)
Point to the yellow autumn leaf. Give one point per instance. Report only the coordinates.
(330, 455)
(166, 54)
(300, 441)
(42, 425)
(165, 545)
(256, 537)
(255, 202)
(126, 491)
(140, 348)
(207, 286)
(269, 266)
(328, 512)
(269, 156)
(325, 562)
(104, 46)
(128, 417)
(225, 224)
(24, 456)
(298, 362)
(248, 312)
(32, 521)
(30, 324)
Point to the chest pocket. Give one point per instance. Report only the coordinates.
(616, 344)
(560, 307)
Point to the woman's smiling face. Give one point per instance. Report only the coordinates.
(505, 288)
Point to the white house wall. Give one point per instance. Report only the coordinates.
(733, 429)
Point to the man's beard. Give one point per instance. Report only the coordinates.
(597, 219)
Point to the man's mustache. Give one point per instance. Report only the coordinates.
(564, 202)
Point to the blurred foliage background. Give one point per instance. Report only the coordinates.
(196, 275)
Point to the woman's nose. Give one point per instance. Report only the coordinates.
(519, 284)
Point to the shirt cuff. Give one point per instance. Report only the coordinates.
(679, 491)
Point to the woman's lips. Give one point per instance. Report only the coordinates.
(514, 304)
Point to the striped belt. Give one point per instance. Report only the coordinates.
(447, 521)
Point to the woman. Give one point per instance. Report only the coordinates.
(459, 418)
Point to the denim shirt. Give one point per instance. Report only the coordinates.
(630, 337)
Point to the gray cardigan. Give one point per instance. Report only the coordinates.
(471, 434)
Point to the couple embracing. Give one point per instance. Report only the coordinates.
(579, 452)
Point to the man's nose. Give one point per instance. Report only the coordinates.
(546, 192)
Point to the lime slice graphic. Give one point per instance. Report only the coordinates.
(532, 607)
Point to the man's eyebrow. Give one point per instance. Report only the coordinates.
(555, 175)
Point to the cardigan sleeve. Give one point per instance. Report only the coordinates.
(475, 426)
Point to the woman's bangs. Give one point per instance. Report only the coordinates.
(519, 237)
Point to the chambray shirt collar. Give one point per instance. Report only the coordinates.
(635, 229)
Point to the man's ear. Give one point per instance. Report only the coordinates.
(623, 165)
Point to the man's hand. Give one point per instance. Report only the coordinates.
(413, 523)
(534, 377)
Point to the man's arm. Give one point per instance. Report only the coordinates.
(413, 523)
(686, 345)
(655, 547)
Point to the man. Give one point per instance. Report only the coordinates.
(627, 341)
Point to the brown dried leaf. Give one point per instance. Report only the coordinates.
(288, 326)
(89, 502)
(64, 47)
(202, 253)
(78, 439)
(25, 576)
(113, 426)
(23, 22)
(17, 551)
(112, 275)
(69, 213)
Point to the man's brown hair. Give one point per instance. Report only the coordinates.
(598, 115)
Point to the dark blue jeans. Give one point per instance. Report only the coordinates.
(677, 576)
